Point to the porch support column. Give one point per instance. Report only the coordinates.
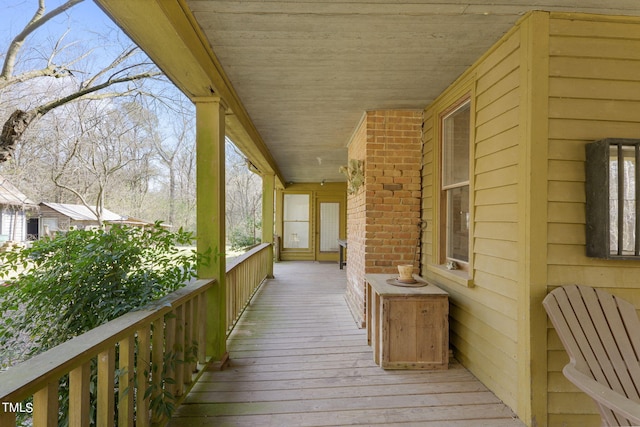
(268, 190)
(210, 198)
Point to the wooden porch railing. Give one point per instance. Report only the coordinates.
(154, 352)
(243, 278)
(140, 357)
(160, 348)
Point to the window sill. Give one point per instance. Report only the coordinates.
(459, 277)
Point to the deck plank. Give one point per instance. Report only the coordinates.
(298, 359)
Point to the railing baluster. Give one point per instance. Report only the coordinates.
(246, 285)
(79, 379)
(230, 295)
(157, 362)
(170, 351)
(45, 406)
(106, 373)
(188, 367)
(180, 351)
(233, 287)
(202, 328)
(143, 371)
(125, 382)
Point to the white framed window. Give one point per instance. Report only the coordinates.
(455, 211)
(296, 221)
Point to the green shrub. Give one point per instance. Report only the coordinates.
(64, 286)
(76, 281)
(243, 235)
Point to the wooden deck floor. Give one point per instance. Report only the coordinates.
(298, 359)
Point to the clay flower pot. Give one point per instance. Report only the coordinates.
(405, 272)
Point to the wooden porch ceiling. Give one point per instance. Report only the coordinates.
(298, 359)
(300, 73)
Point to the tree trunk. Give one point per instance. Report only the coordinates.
(12, 130)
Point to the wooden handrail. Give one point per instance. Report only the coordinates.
(176, 318)
(237, 261)
(244, 276)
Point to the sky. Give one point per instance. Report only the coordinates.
(85, 16)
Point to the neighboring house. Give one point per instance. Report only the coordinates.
(14, 206)
(56, 217)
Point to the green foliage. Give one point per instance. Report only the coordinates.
(64, 286)
(243, 235)
(162, 403)
(76, 281)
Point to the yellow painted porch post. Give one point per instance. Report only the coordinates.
(210, 198)
(268, 190)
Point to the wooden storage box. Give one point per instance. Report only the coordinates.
(408, 328)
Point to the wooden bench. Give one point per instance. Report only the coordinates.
(601, 334)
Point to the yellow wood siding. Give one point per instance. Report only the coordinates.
(484, 316)
(554, 83)
(594, 92)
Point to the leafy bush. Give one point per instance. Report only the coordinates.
(76, 281)
(243, 235)
(70, 284)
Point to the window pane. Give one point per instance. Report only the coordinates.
(622, 201)
(296, 221)
(296, 207)
(50, 225)
(296, 235)
(455, 137)
(458, 224)
(613, 199)
(629, 208)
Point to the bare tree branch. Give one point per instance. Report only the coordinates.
(39, 19)
(45, 108)
(51, 70)
(20, 120)
(114, 64)
(57, 177)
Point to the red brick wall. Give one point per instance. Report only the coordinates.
(356, 231)
(383, 216)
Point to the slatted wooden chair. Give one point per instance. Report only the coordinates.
(601, 334)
